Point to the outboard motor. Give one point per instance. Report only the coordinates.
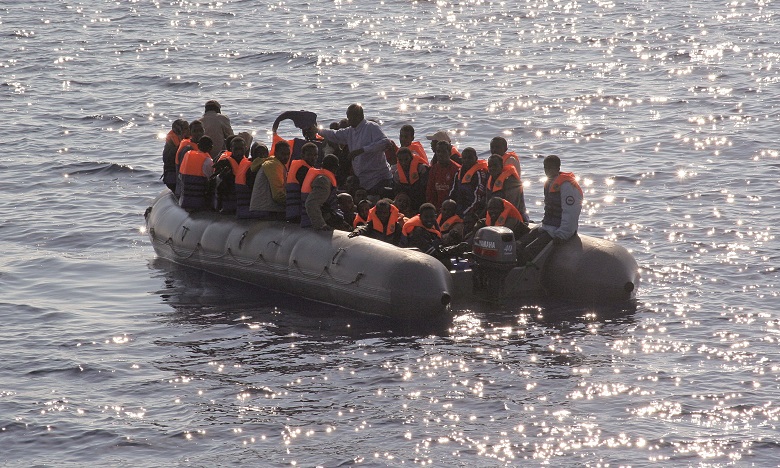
(494, 256)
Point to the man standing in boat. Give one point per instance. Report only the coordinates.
(562, 207)
(367, 143)
(216, 126)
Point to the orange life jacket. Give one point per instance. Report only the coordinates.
(507, 172)
(414, 222)
(173, 138)
(509, 212)
(192, 164)
(185, 142)
(414, 171)
(564, 177)
(192, 180)
(314, 172)
(276, 139)
(417, 148)
(449, 223)
(293, 169)
(510, 154)
(392, 222)
(481, 165)
(358, 220)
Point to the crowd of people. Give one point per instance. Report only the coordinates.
(352, 177)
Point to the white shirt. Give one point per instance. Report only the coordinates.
(371, 167)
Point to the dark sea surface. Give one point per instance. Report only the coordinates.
(667, 110)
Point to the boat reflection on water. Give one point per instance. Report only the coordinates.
(203, 298)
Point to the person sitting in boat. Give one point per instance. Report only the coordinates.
(442, 135)
(367, 143)
(450, 224)
(406, 140)
(296, 174)
(257, 156)
(269, 193)
(231, 166)
(318, 195)
(404, 205)
(562, 207)
(196, 133)
(361, 217)
(347, 207)
(411, 177)
(422, 230)
(342, 152)
(504, 182)
(502, 213)
(194, 173)
(384, 223)
(441, 175)
(468, 188)
(499, 146)
(180, 130)
(306, 121)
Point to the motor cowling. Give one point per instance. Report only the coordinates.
(494, 246)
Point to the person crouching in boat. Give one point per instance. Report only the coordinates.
(269, 194)
(318, 195)
(194, 173)
(385, 222)
(562, 207)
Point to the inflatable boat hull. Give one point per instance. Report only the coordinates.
(359, 273)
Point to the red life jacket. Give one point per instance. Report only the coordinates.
(481, 165)
(414, 171)
(507, 172)
(414, 222)
(509, 212)
(392, 222)
(449, 223)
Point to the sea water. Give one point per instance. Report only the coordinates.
(666, 110)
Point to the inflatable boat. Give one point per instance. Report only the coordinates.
(370, 276)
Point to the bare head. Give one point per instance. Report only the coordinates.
(309, 153)
(552, 166)
(355, 115)
(498, 145)
(495, 165)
